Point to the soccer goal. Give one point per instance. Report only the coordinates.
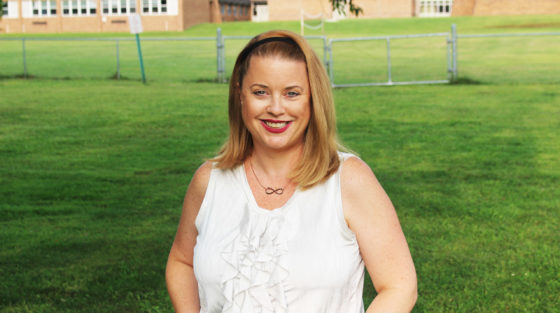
(318, 19)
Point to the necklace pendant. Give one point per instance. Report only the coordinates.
(270, 190)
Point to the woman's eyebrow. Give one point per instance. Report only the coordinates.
(258, 85)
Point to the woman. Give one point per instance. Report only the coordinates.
(280, 220)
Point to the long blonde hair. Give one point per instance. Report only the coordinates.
(320, 151)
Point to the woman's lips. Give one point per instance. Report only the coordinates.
(276, 126)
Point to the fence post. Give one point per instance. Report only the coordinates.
(118, 60)
(449, 68)
(24, 57)
(454, 42)
(325, 53)
(331, 62)
(219, 55)
(389, 75)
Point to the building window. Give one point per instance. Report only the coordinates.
(43, 8)
(74, 8)
(155, 6)
(118, 7)
(78, 7)
(223, 9)
(434, 8)
(4, 8)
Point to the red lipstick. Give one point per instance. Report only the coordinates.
(275, 130)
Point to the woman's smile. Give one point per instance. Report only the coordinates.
(276, 126)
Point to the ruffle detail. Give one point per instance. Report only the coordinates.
(256, 265)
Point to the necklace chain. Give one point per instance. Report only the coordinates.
(267, 190)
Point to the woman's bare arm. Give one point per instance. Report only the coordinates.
(372, 217)
(179, 274)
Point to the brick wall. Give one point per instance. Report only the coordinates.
(505, 7)
(194, 12)
(463, 7)
(280, 10)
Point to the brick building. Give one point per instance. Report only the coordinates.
(505, 7)
(57, 16)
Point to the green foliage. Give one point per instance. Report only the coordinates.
(339, 5)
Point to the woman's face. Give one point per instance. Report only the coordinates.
(275, 102)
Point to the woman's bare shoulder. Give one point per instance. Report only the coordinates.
(201, 177)
(198, 185)
(362, 194)
(355, 172)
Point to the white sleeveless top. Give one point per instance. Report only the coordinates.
(301, 257)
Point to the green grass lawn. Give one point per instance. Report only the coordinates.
(93, 173)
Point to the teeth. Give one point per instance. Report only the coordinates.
(275, 125)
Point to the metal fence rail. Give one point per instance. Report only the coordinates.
(497, 35)
(387, 39)
(227, 49)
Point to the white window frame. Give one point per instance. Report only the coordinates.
(434, 8)
(169, 6)
(69, 4)
(109, 5)
(40, 6)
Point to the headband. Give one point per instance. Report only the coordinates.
(245, 53)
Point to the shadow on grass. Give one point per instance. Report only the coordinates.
(466, 81)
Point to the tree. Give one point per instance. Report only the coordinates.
(339, 5)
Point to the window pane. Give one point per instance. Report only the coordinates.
(114, 7)
(53, 7)
(123, 6)
(83, 8)
(105, 6)
(155, 6)
(65, 5)
(145, 6)
(163, 6)
(132, 4)
(44, 7)
(74, 7)
(92, 6)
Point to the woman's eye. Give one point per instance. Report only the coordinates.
(292, 93)
(259, 92)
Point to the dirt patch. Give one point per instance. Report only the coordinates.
(546, 25)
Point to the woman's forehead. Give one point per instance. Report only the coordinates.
(276, 70)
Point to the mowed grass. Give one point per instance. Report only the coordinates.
(93, 171)
(93, 174)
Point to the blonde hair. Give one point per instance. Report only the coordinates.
(320, 151)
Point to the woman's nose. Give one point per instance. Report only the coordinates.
(276, 106)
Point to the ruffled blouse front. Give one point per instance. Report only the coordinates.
(297, 258)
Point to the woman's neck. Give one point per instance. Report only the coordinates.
(276, 164)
